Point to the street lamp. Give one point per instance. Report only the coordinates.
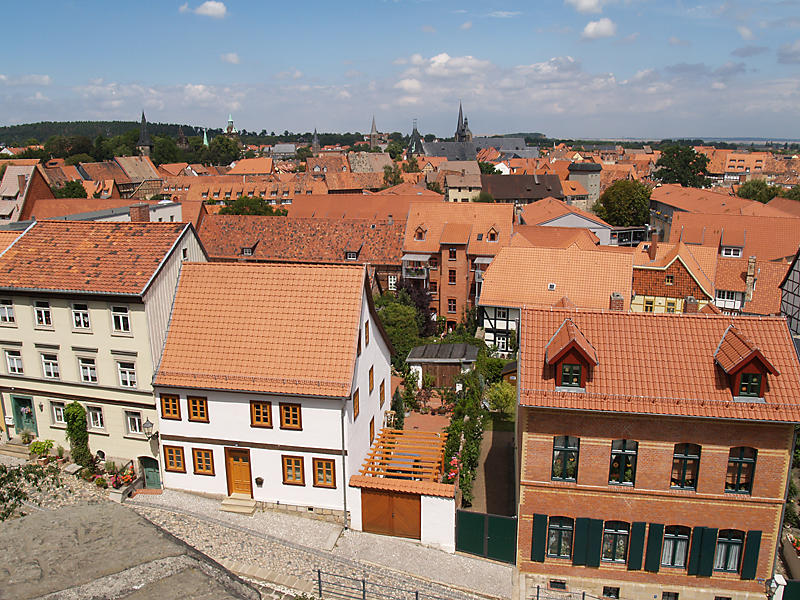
(148, 430)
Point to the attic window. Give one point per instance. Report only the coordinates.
(419, 234)
(551, 287)
(492, 235)
(351, 255)
(750, 385)
(247, 252)
(732, 252)
(480, 237)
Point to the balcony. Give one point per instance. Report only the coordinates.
(415, 266)
(414, 272)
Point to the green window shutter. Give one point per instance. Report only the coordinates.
(636, 546)
(750, 560)
(694, 553)
(707, 551)
(654, 540)
(579, 543)
(539, 543)
(594, 542)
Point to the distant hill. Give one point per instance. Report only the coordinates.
(15, 135)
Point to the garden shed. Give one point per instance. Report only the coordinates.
(444, 362)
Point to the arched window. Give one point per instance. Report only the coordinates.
(559, 537)
(615, 541)
(741, 468)
(676, 546)
(685, 466)
(728, 555)
(623, 462)
(566, 449)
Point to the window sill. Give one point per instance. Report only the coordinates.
(123, 334)
(58, 426)
(9, 325)
(562, 480)
(84, 331)
(621, 484)
(572, 389)
(297, 483)
(102, 432)
(678, 488)
(135, 436)
(44, 328)
(738, 493)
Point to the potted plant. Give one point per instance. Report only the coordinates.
(26, 436)
(41, 449)
(60, 455)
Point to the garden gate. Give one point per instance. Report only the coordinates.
(490, 536)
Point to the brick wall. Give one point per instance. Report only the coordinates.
(652, 282)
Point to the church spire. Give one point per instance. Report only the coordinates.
(144, 145)
(315, 147)
(373, 135)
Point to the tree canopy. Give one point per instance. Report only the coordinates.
(251, 205)
(624, 204)
(681, 164)
(71, 189)
(395, 149)
(487, 168)
(484, 196)
(400, 322)
(411, 165)
(392, 175)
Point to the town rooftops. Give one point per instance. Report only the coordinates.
(550, 209)
(521, 277)
(443, 353)
(767, 278)
(137, 168)
(700, 261)
(358, 206)
(269, 328)
(545, 236)
(88, 257)
(665, 365)
(697, 200)
(251, 166)
(505, 188)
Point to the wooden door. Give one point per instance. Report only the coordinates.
(24, 415)
(407, 515)
(391, 513)
(152, 478)
(237, 465)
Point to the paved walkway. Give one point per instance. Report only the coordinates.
(493, 489)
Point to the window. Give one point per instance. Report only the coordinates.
(451, 254)
(492, 235)
(293, 470)
(6, 311)
(366, 334)
(57, 409)
(615, 541)
(358, 347)
(170, 407)
(184, 254)
(351, 255)
(685, 464)
(451, 305)
(290, 416)
(566, 449)
(43, 316)
(559, 537)
(133, 422)
(14, 362)
(557, 584)
(260, 414)
(371, 379)
(127, 374)
(392, 282)
(501, 341)
(247, 252)
(669, 279)
(649, 305)
(95, 417)
(451, 277)
(623, 462)
(750, 385)
(669, 595)
(734, 252)
(741, 466)
(88, 370)
(729, 550)
(433, 262)
(480, 237)
(371, 429)
(570, 375)
(80, 316)
(382, 392)
(324, 472)
(671, 306)
(50, 366)
(611, 592)
(356, 407)
(501, 313)
(198, 408)
(676, 546)
(203, 461)
(173, 459)
(121, 319)
(434, 287)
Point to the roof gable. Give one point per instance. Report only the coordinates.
(735, 351)
(569, 337)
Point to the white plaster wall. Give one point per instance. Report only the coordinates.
(439, 522)
(354, 506)
(572, 220)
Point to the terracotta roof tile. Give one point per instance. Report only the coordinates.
(766, 299)
(566, 336)
(251, 166)
(546, 236)
(700, 261)
(548, 209)
(786, 205)
(714, 201)
(455, 233)
(735, 350)
(51, 208)
(7, 238)
(358, 206)
(269, 328)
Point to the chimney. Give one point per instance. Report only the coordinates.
(651, 251)
(140, 213)
(21, 179)
(616, 302)
(691, 305)
(391, 220)
(750, 280)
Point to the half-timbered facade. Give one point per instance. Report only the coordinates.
(790, 296)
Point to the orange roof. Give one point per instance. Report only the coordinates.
(665, 366)
(545, 236)
(269, 328)
(568, 336)
(88, 256)
(358, 206)
(7, 238)
(523, 276)
(549, 209)
(573, 188)
(173, 169)
(736, 350)
(455, 233)
(701, 262)
(766, 300)
(786, 205)
(715, 202)
(353, 181)
(52, 208)
(251, 166)
(410, 189)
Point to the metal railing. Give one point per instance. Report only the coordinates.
(331, 585)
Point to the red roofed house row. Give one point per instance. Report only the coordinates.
(657, 465)
(84, 308)
(273, 384)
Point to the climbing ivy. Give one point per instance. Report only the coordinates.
(78, 437)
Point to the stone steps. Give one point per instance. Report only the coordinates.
(239, 503)
(15, 450)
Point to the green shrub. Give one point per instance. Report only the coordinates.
(41, 448)
(399, 409)
(792, 489)
(78, 437)
(790, 515)
(101, 482)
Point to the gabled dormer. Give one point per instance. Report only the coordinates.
(571, 356)
(419, 234)
(492, 235)
(745, 366)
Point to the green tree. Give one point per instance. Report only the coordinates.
(251, 205)
(434, 187)
(502, 397)
(165, 150)
(392, 176)
(758, 190)
(221, 151)
(77, 435)
(487, 168)
(304, 153)
(484, 196)
(395, 149)
(793, 193)
(681, 164)
(411, 166)
(624, 204)
(71, 189)
(78, 158)
(17, 482)
(400, 322)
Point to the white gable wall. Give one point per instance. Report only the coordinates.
(573, 220)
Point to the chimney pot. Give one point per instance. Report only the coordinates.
(140, 212)
(651, 251)
(616, 302)
(691, 305)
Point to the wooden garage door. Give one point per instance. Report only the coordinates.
(391, 513)
(444, 375)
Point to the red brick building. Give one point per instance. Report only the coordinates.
(656, 467)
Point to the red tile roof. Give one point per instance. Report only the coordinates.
(545, 236)
(700, 261)
(786, 205)
(357, 206)
(716, 202)
(251, 166)
(51, 208)
(736, 350)
(766, 300)
(568, 336)
(549, 209)
(659, 364)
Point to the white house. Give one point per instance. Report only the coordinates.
(556, 213)
(273, 382)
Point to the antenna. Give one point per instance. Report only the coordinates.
(414, 121)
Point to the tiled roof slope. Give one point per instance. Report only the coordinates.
(665, 365)
(302, 240)
(529, 236)
(547, 209)
(283, 329)
(137, 168)
(353, 181)
(732, 276)
(767, 238)
(98, 171)
(51, 208)
(700, 261)
(520, 277)
(735, 350)
(7, 238)
(251, 166)
(357, 206)
(696, 200)
(786, 205)
(568, 334)
(88, 256)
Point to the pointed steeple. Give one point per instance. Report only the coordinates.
(315, 147)
(144, 145)
(205, 137)
(374, 130)
(373, 135)
(415, 145)
(460, 117)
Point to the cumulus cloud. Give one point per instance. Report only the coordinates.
(26, 80)
(745, 32)
(601, 28)
(209, 8)
(466, 25)
(789, 54)
(409, 85)
(504, 14)
(748, 51)
(230, 57)
(586, 6)
(289, 74)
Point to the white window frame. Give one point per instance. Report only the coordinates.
(87, 372)
(502, 342)
(247, 252)
(7, 312)
(80, 317)
(391, 282)
(14, 362)
(501, 313)
(55, 408)
(50, 367)
(43, 314)
(91, 412)
(731, 252)
(351, 255)
(120, 319)
(137, 417)
(127, 375)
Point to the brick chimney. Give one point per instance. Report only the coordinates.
(651, 251)
(140, 212)
(691, 305)
(750, 280)
(616, 302)
(21, 180)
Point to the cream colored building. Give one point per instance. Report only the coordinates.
(84, 309)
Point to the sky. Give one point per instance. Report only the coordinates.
(567, 68)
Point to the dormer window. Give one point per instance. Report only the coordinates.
(480, 237)
(351, 255)
(750, 385)
(247, 252)
(419, 234)
(745, 365)
(570, 375)
(732, 252)
(492, 235)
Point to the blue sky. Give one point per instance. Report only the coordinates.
(592, 68)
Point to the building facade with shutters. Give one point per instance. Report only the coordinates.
(657, 469)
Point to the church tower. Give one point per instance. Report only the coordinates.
(373, 135)
(463, 134)
(144, 146)
(415, 147)
(183, 143)
(315, 146)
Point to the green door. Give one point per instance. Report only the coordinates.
(24, 416)
(152, 478)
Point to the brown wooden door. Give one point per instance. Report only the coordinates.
(237, 466)
(391, 513)
(407, 517)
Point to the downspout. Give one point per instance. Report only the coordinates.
(344, 465)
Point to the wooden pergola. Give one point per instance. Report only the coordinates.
(402, 454)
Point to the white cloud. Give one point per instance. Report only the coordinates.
(39, 97)
(745, 32)
(676, 41)
(428, 29)
(789, 54)
(290, 74)
(466, 25)
(29, 80)
(230, 57)
(601, 28)
(209, 8)
(444, 65)
(504, 14)
(184, 7)
(409, 85)
(586, 6)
